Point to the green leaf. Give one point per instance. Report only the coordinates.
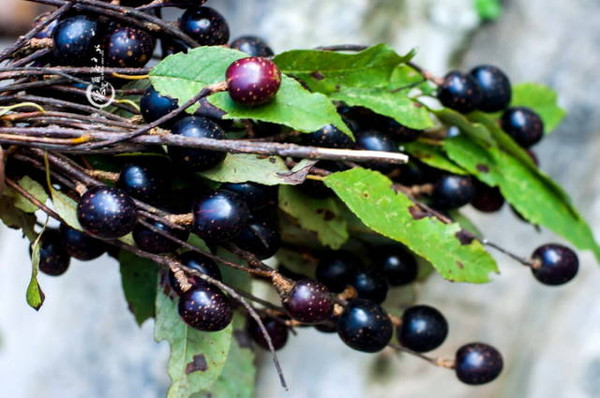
(17, 219)
(34, 295)
(197, 358)
(542, 99)
(248, 167)
(433, 155)
(183, 75)
(138, 277)
(369, 195)
(488, 10)
(322, 216)
(405, 77)
(66, 208)
(476, 131)
(31, 186)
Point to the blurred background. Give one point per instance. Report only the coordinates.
(85, 343)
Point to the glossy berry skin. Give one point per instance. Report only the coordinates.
(308, 301)
(54, 259)
(364, 326)
(153, 242)
(205, 25)
(556, 264)
(452, 192)
(106, 212)
(336, 270)
(523, 125)
(370, 286)
(197, 159)
(144, 180)
(460, 92)
(198, 262)
(256, 196)
(278, 332)
(128, 47)
(205, 307)
(487, 199)
(252, 81)
(260, 237)
(221, 216)
(477, 363)
(423, 328)
(372, 140)
(252, 45)
(79, 245)
(153, 106)
(396, 263)
(328, 136)
(495, 88)
(74, 39)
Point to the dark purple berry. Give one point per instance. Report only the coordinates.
(370, 285)
(523, 125)
(221, 216)
(74, 39)
(309, 302)
(128, 47)
(198, 262)
(153, 242)
(106, 212)
(153, 106)
(252, 45)
(80, 245)
(494, 86)
(336, 270)
(554, 264)
(192, 158)
(205, 307)
(487, 199)
(252, 81)
(396, 263)
(54, 259)
(371, 140)
(205, 25)
(423, 328)
(260, 237)
(460, 92)
(277, 330)
(328, 136)
(415, 173)
(477, 363)
(452, 192)
(364, 326)
(397, 131)
(255, 195)
(145, 180)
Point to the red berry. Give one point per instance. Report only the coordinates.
(253, 81)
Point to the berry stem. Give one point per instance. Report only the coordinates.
(526, 262)
(441, 362)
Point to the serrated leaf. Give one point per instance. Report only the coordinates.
(322, 216)
(370, 196)
(542, 99)
(433, 155)
(197, 358)
(31, 186)
(138, 278)
(34, 295)
(248, 167)
(183, 75)
(66, 208)
(488, 10)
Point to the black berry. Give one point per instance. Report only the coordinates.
(144, 180)
(364, 326)
(255, 195)
(54, 259)
(276, 329)
(198, 262)
(477, 363)
(259, 237)
(328, 136)
(128, 47)
(308, 301)
(153, 106)
(74, 39)
(106, 212)
(452, 192)
(372, 140)
(205, 25)
(336, 270)
(423, 328)
(197, 159)
(153, 242)
(371, 286)
(494, 86)
(415, 173)
(252, 81)
(220, 216)
(397, 131)
(205, 307)
(554, 264)
(252, 45)
(460, 92)
(79, 245)
(396, 263)
(487, 199)
(523, 125)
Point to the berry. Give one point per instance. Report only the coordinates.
(153, 106)
(106, 212)
(252, 81)
(554, 264)
(220, 216)
(494, 86)
(205, 25)
(54, 259)
(277, 331)
(172, 46)
(260, 237)
(336, 270)
(452, 192)
(523, 125)
(477, 363)
(460, 92)
(197, 159)
(144, 180)
(79, 245)
(205, 307)
(487, 199)
(371, 286)
(328, 136)
(308, 301)
(423, 328)
(128, 47)
(198, 262)
(255, 195)
(397, 131)
(252, 45)
(74, 39)
(153, 242)
(371, 140)
(415, 173)
(397, 264)
(364, 326)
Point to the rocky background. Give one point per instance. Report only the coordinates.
(84, 342)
